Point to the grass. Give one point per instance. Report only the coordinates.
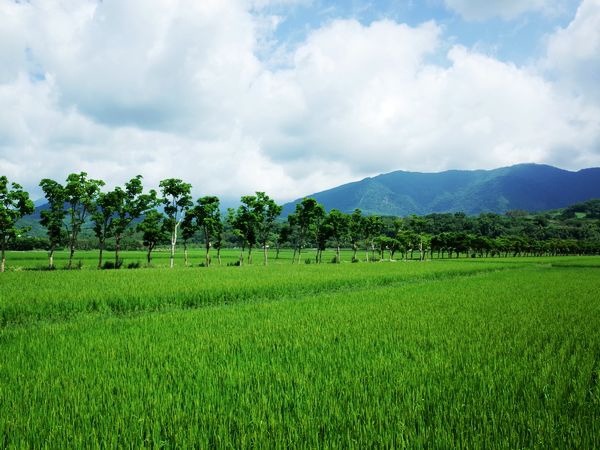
(448, 354)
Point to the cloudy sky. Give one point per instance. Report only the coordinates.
(294, 96)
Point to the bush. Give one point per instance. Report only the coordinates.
(111, 265)
(134, 265)
(308, 261)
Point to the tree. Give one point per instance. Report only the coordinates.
(218, 239)
(285, 234)
(243, 223)
(14, 204)
(372, 226)
(418, 227)
(293, 234)
(355, 231)
(405, 240)
(53, 217)
(176, 198)
(308, 214)
(235, 223)
(208, 220)
(103, 218)
(424, 245)
(265, 211)
(322, 235)
(338, 224)
(80, 195)
(188, 230)
(129, 204)
(154, 229)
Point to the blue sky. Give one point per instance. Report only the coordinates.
(294, 96)
(518, 39)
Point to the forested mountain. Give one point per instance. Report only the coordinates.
(529, 187)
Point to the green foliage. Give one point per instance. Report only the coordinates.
(53, 217)
(207, 216)
(529, 187)
(14, 204)
(130, 204)
(176, 197)
(79, 195)
(154, 230)
(254, 221)
(590, 209)
(176, 200)
(305, 222)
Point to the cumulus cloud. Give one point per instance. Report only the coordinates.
(574, 52)
(368, 96)
(505, 9)
(177, 90)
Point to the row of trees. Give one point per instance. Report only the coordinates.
(167, 214)
(171, 214)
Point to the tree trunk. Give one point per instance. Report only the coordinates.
(266, 253)
(3, 263)
(367, 252)
(117, 249)
(173, 243)
(299, 252)
(51, 259)
(172, 256)
(242, 256)
(219, 255)
(207, 258)
(337, 254)
(71, 252)
(294, 255)
(277, 253)
(185, 254)
(354, 250)
(250, 254)
(101, 251)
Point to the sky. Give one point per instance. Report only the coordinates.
(292, 97)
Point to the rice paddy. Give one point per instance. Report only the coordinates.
(467, 353)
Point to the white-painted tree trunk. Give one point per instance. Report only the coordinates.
(173, 243)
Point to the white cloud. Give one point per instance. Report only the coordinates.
(176, 90)
(367, 96)
(574, 52)
(505, 9)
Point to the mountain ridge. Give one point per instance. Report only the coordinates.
(530, 187)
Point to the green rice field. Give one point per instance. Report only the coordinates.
(462, 353)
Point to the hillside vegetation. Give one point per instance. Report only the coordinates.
(529, 187)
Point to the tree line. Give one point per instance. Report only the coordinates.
(170, 214)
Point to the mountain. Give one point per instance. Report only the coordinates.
(529, 187)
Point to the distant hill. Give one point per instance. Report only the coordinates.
(529, 187)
